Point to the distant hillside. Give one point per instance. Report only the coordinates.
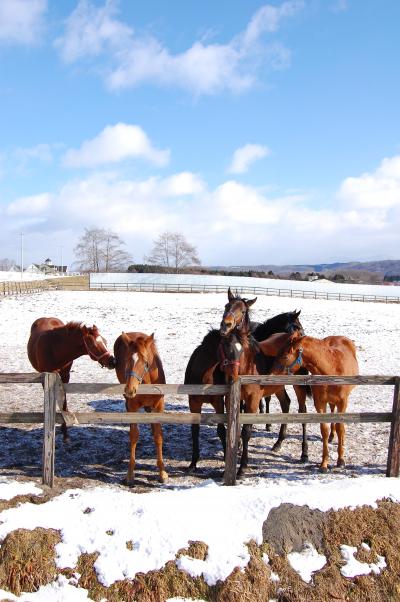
(388, 267)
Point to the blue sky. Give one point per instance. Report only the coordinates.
(264, 132)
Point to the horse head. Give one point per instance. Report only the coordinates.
(139, 361)
(96, 346)
(290, 356)
(236, 314)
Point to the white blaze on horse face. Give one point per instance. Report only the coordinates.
(238, 346)
(135, 357)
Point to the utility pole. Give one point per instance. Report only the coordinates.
(22, 253)
(61, 259)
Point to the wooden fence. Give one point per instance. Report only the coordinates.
(241, 290)
(19, 287)
(54, 391)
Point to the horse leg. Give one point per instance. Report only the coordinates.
(301, 397)
(267, 400)
(195, 407)
(340, 430)
(218, 404)
(324, 434)
(332, 432)
(65, 376)
(246, 435)
(158, 441)
(133, 436)
(284, 400)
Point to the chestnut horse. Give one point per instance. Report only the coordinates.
(138, 362)
(335, 355)
(244, 355)
(53, 346)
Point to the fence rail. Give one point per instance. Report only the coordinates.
(243, 290)
(54, 392)
(20, 287)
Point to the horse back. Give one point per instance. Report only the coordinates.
(37, 347)
(344, 352)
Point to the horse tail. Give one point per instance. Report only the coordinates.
(308, 391)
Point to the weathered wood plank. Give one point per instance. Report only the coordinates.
(393, 463)
(18, 377)
(347, 418)
(232, 435)
(309, 379)
(188, 418)
(49, 427)
(172, 389)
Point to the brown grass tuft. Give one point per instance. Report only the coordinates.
(27, 559)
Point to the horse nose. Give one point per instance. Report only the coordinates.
(224, 327)
(112, 362)
(130, 393)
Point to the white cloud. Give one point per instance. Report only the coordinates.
(30, 205)
(132, 59)
(230, 224)
(244, 156)
(379, 189)
(21, 21)
(114, 144)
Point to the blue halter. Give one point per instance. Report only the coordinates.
(129, 373)
(297, 362)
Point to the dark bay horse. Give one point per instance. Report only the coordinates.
(53, 346)
(138, 361)
(242, 354)
(335, 355)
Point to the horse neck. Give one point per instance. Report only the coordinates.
(248, 358)
(314, 358)
(72, 346)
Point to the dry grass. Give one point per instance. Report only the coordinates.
(27, 561)
(70, 283)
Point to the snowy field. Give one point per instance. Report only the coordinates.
(319, 286)
(97, 456)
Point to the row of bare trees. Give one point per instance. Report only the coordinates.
(100, 250)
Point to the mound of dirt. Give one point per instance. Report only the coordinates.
(288, 527)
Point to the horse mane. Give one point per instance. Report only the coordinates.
(275, 324)
(75, 325)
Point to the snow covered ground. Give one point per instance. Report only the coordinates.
(320, 286)
(98, 455)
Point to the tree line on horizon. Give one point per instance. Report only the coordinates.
(102, 250)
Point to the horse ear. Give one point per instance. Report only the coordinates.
(250, 302)
(297, 313)
(230, 296)
(125, 338)
(151, 337)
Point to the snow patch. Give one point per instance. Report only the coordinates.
(354, 568)
(306, 562)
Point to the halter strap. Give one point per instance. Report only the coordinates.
(92, 355)
(224, 360)
(138, 377)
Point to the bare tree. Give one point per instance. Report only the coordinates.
(171, 250)
(100, 250)
(6, 264)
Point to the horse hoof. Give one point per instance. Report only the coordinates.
(323, 469)
(191, 469)
(304, 458)
(163, 477)
(341, 463)
(267, 427)
(277, 446)
(128, 482)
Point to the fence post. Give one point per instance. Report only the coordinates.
(393, 463)
(233, 433)
(49, 427)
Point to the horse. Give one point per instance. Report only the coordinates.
(236, 318)
(53, 346)
(137, 362)
(244, 355)
(334, 355)
(203, 368)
